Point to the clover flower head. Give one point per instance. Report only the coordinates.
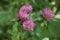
(48, 14)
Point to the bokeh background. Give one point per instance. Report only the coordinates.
(10, 28)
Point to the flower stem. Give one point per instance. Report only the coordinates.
(45, 28)
(21, 33)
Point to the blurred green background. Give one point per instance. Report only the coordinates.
(10, 28)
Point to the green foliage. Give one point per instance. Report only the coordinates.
(11, 27)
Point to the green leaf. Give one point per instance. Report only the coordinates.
(54, 28)
(36, 16)
(57, 16)
(4, 18)
(38, 32)
(15, 31)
